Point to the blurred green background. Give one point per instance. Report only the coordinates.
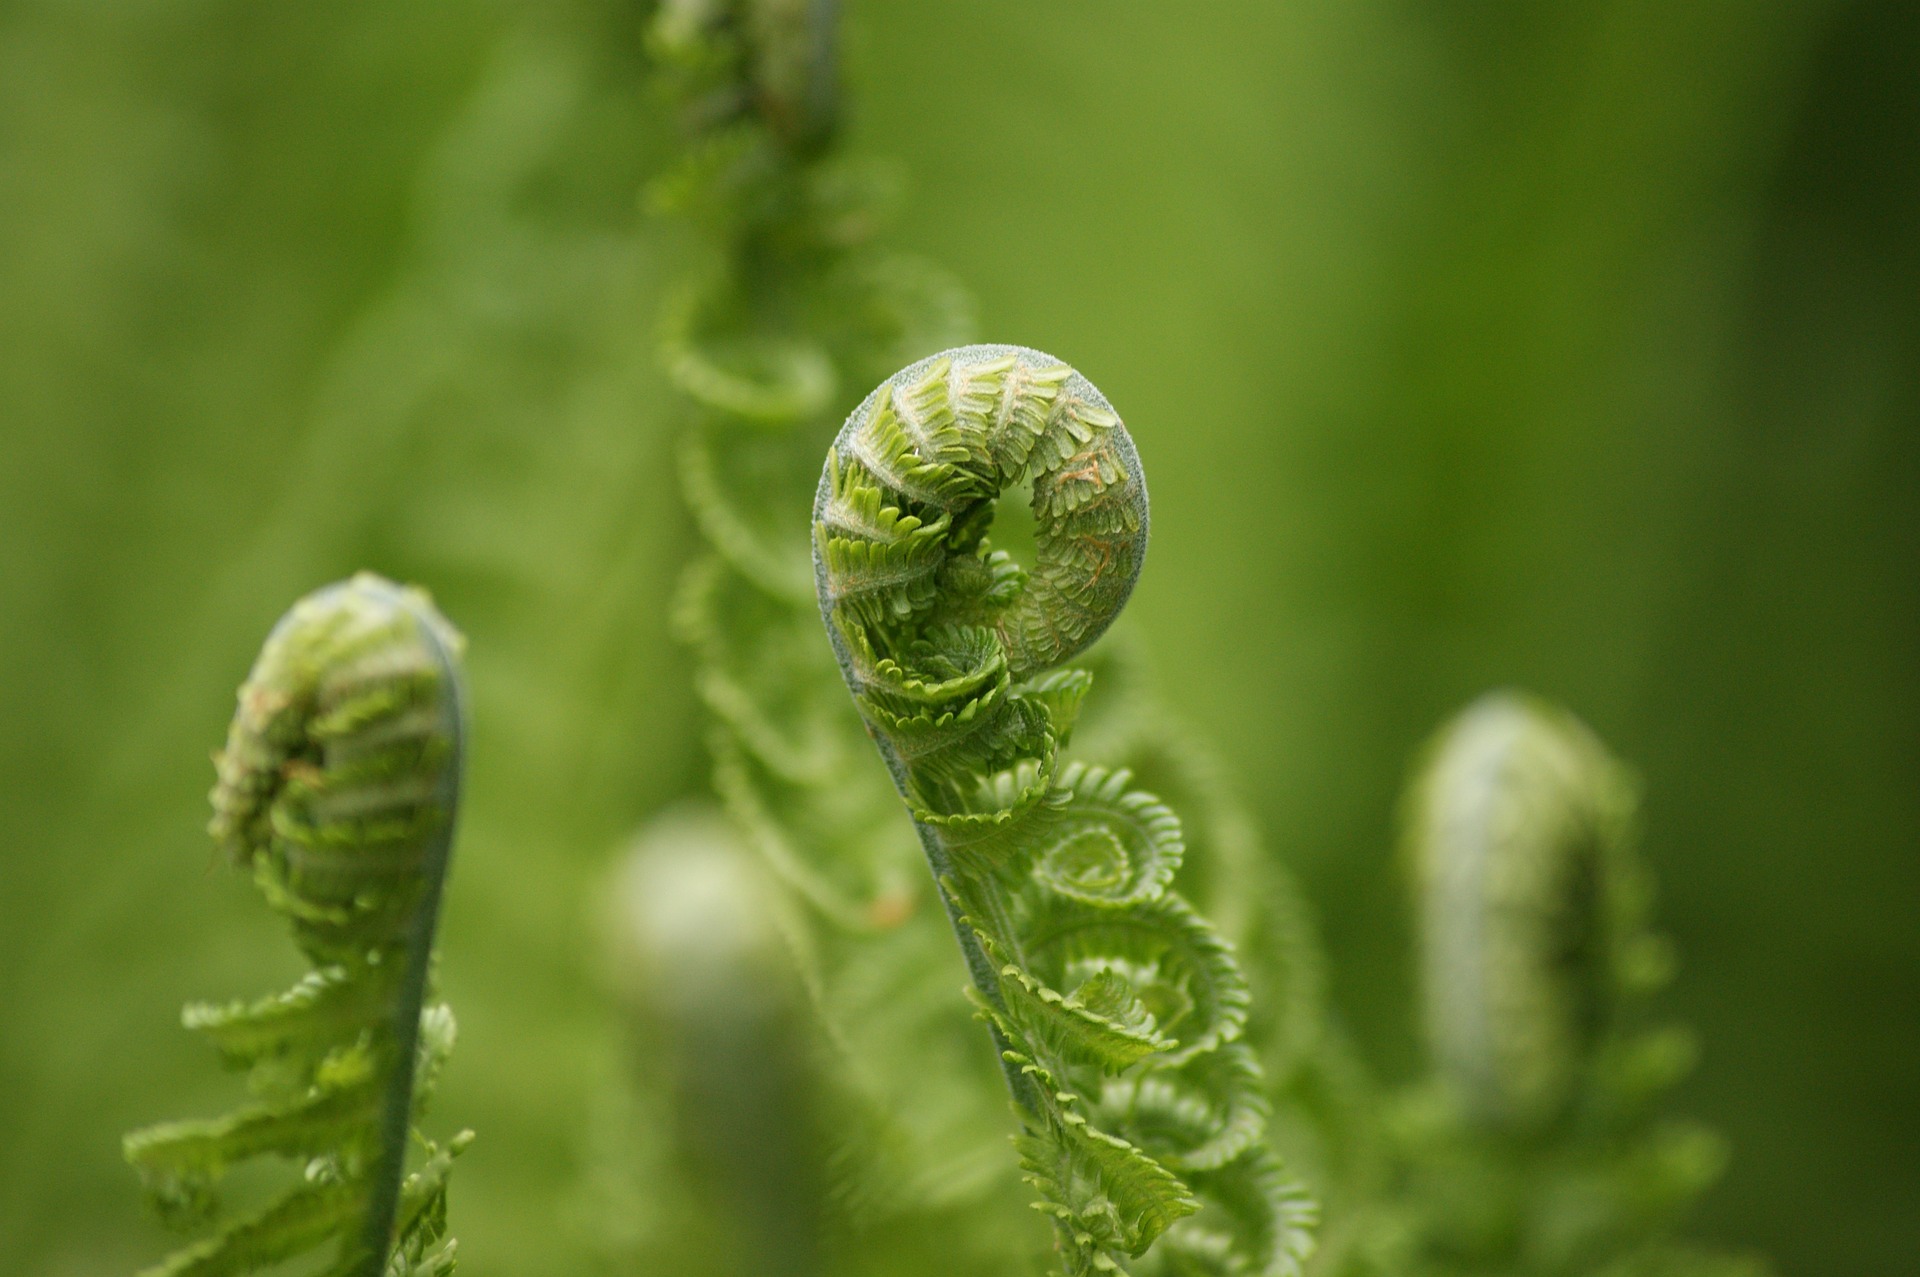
(1572, 345)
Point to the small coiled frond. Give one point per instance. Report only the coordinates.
(1118, 1010)
(338, 789)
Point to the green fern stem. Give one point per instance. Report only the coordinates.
(1116, 1009)
(338, 788)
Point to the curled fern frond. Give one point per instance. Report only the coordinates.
(1117, 1010)
(338, 789)
(794, 304)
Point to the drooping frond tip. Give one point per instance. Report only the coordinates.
(338, 788)
(1118, 1010)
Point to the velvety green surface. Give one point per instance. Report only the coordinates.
(1572, 346)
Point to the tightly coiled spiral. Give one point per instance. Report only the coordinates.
(338, 789)
(1117, 1010)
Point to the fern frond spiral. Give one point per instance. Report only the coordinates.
(1117, 1010)
(338, 788)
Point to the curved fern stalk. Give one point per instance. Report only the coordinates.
(793, 301)
(338, 788)
(1543, 1150)
(1117, 1011)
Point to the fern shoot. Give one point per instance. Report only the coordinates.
(1117, 1011)
(338, 789)
(1539, 1148)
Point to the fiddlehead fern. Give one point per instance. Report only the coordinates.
(1117, 1010)
(1517, 839)
(338, 788)
(1541, 1150)
(793, 304)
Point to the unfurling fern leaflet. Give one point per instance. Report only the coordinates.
(1117, 1010)
(338, 788)
(1540, 1149)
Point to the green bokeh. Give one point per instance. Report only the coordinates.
(1575, 346)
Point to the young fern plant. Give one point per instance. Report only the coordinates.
(1117, 1011)
(338, 788)
(1539, 1148)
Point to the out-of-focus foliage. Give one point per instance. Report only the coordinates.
(1538, 1144)
(1568, 345)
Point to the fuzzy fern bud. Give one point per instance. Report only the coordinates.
(1516, 836)
(338, 789)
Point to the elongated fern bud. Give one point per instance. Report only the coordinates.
(1516, 837)
(1542, 1149)
(1117, 1010)
(338, 789)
